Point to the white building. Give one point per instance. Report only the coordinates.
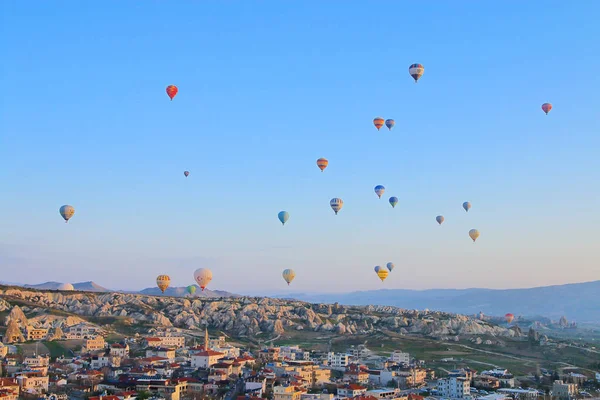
(294, 353)
(454, 388)
(205, 359)
(338, 360)
(38, 361)
(400, 357)
(564, 390)
(82, 330)
(172, 341)
(99, 362)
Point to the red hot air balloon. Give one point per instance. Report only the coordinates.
(509, 317)
(172, 91)
(546, 107)
(378, 122)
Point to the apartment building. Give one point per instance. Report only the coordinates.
(454, 387)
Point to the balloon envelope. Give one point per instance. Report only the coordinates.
(163, 281)
(288, 275)
(283, 217)
(439, 219)
(546, 107)
(382, 274)
(191, 289)
(203, 276)
(322, 163)
(416, 71)
(390, 266)
(467, 206)
(336, 204)
(379, 190)
(378, 122)
(509, 317)
(377, 268)
(390, 123)
(393, 201)
(186, 173)
(474, 234)
(67, 212)
(172, 91)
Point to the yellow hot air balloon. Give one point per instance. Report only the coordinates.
(378, 122)
(163, 281)
(322, 163)
(474, 234)
(382, 274)
(288, 275)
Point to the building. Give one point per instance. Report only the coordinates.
(486, 382)
(165, 341)
(82, 331)
(162, 387)
(338, 360)
(119, 350)
(356, 374)
(287, 393)
(454, 388)
(383, 393)
(269, 355)
(411, 377)
(206, 359)
(399, 357)
(32, 333)
(564, 390)
(37, 361)
(351, 390)
(293, 353)
(9, 386)
(164, 352)
(33, 382)
(93, 344)
(521, 394)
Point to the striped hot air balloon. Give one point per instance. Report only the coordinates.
(416, 71)
(336, 204)
(378, 122)
(67, 212)
(163, 281)
(322, 163)
(546, 107)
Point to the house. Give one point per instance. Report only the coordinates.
(82, 331)
(351, 390)
(164, 352)
(486, 382)
(93, 344)
(33, 381)
(399, 357)
(32, 333)
(9, 386)
(356, 374)
(564, 390)
(338, 360)
(165, 341)
(119, 350)
(206, 359)
(454, 387)
(287, 393)
(269, 355)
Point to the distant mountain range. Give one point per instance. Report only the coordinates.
(82, 286)
(578, 301)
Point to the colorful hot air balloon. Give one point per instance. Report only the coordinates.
(67, 212)
(509, 317)
(203, 276)
(393, 201)
(390, 123)
(546, 107)
(186, 173)
(379, 190)
(283, 216)
(322, 163)
(378, 122)
(288, 275)
(172, 91)
(390, 266)
(474, 234)
(163, 281)
(377, 268)
(416, 71)
(191, 289)
(336, 204)
(382, 274)
(467, 206)
(439, 219)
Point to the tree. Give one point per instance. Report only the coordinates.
(143, 395)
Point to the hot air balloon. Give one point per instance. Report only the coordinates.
(378, 122)
(172, 91)
(509, 317)
(467, 206)
(377, 268)
(474, 234)
(416, 71)
(203, 276)
(288, 275)
(546, 107)
(322, 163)
(393, 201)
(336, 204)
(186, 173)
(390, 123)
(390, 266)
(163, 281)
(67, 212)
(66, 287)
(379, 190)
(382, 274)
(439, 219)
(191, 289)
(283, 216)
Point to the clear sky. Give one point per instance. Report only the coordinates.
(266, 88)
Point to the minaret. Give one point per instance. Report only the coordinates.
(205, 338)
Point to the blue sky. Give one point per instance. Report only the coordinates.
(266, 88)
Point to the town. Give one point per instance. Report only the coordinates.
(167, 364)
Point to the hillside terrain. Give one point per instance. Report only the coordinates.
(579, 301)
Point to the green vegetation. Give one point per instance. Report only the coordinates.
(56, 349)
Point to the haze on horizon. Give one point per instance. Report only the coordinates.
(264, 90)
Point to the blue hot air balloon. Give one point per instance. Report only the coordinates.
(393, 201)
(379, 190)
(283, 217)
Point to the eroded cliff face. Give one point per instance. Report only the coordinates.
(244, 316)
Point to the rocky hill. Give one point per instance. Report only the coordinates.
(239, 317)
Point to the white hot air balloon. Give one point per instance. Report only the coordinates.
(203, 276)
(336, 204)
(66, 287)
(288, 275)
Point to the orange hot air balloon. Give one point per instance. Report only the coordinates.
(378, 122)
(172, 91)
(546, 107)
(322, 163)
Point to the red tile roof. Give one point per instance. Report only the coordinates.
(209, 353)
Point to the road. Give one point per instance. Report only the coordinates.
(238, 388)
